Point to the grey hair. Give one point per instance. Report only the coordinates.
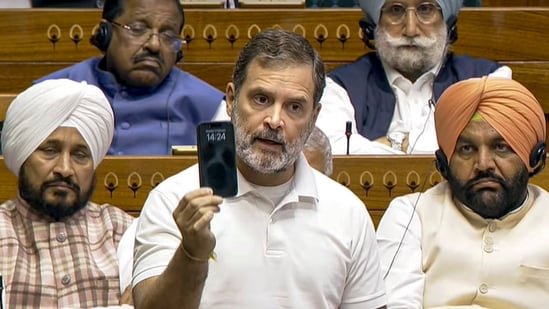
(319, 142)
(280, 48)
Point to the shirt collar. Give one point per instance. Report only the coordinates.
(303, 183)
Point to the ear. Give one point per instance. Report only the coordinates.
(230, 98)
(316, 111)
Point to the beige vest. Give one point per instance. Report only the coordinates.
(468, 260)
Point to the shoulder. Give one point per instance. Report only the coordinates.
(540, 193)
(184, 76)
(335, 197)
(110, 215)
(8, 211)
(82, 67)
(420, 201)
(362, 62)
(461, 60)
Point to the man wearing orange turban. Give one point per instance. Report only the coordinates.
(477, 240)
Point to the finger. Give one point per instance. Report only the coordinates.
(186, 200)
(203, 222)
(195, 205)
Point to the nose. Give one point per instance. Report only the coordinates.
(485, 160)
(411, 23)
(64, 166)
(153, 42)
(274, 118)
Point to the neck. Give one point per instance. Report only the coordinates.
(264, 179)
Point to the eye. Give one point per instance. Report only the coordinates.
(169, 34)
(138, 29)
(396, 9)
(261, 99)
(502, 147)
(426, 9)
(296, 108)
(465, 149)
(81, 156)
(48, 150)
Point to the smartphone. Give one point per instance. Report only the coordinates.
(217, 157)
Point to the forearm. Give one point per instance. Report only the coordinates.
(179, 286)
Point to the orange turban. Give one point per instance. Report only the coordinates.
(505, 104)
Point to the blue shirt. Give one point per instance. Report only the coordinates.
(148, 121)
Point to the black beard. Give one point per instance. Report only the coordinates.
(57, 211)
(497, 205)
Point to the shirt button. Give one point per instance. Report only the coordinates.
(492, 227)
(483, 288)
(125, 125)
(61, 237)
(489, 248)
(489, 241)
(66, 279)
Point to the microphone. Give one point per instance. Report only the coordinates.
(348, 128)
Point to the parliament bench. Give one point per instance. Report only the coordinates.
(38, 42)
(126, 181)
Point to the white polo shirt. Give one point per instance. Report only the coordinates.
(315, 249)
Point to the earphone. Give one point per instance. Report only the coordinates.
(536, 160)
(368, 28)
(102, 38)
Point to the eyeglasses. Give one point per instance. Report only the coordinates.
(426, 12)
(143, 34)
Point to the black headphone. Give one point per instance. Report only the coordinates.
(452, 29)
(368, 28)
(102, 38)
(536, 161)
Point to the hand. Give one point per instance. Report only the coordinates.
(193, 216)
(127, 297)
(402, 137)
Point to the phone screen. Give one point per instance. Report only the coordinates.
(217, 157)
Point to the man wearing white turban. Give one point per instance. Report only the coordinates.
(478, 239)
(57, 248)
(388, 95)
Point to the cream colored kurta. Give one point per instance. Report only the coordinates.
(451, 256)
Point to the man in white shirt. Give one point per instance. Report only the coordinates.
(389, 95)
(478, 239)
(291, 237)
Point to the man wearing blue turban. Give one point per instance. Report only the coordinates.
(389, 94)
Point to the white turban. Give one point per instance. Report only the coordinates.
(38, 111)
(372, 8)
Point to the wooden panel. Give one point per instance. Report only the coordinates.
(514, 3)
(503, 34)
(126, 181)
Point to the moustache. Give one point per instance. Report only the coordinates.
(486, 176)
(147, 56)
(421, 42)
(271, 135)
(64, 181)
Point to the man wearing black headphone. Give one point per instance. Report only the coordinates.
(389, 93)
(477, 240)
(156, 105)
